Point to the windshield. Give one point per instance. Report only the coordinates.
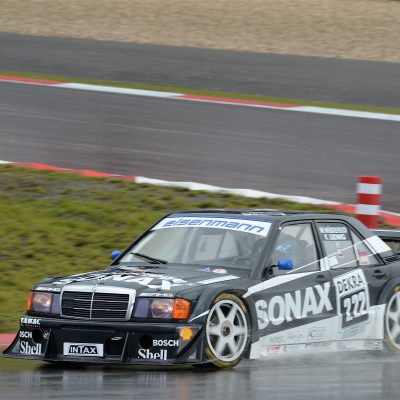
(225, 241)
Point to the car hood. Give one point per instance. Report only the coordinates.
(168, 280)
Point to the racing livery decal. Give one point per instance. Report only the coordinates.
(339, 233)
(255, 227)
(352, 297)
(149, 280)
(165, 343)
(143, 279)
(27, 348)
(83, 349)
(33, 322)
(293, 306)
(153, 355)
(25, 334)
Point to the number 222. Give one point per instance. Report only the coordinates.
(355, 306)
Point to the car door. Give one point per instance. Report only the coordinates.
(291, 304)
(357, 276)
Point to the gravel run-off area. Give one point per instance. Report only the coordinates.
(357, 29)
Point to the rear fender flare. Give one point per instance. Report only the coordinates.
(387, 289)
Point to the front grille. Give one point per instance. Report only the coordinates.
(96, 305)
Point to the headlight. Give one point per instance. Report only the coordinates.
(162, 308)
(43, 302)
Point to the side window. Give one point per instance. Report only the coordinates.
(338, 244)
(364, 255)
(296, 242)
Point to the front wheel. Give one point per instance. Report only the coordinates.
(392, 321)
(226, 331)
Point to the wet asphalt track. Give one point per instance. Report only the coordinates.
(311, 78)
(233, 146)
(344, 376)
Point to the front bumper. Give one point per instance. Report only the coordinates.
(89, 341)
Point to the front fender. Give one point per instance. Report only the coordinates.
(204, 304)
(206, 298)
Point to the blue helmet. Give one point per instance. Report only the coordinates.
(286, 245)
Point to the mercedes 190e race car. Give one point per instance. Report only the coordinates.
(213, 287)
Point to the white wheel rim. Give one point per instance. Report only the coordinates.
(226, 330)
(393, 319)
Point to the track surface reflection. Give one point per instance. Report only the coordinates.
(342, 376)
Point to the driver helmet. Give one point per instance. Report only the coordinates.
(286, 245)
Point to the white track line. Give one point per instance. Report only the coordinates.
(181, 96)
(255, 194)
(250, 193)
(347, 113)
(117, 90)
(305, 109)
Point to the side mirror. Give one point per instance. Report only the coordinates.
(285, 264)
(115, 254)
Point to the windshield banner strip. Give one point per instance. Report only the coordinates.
(248, 216)
(260, 228)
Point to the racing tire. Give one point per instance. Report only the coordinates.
(226, 332)
(392, 321)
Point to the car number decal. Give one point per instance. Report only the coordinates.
(352, 296)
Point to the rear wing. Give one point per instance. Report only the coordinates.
(390, 237)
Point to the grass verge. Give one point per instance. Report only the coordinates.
(55, 223)
(204, 92)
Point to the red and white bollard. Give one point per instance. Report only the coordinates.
(369, 189)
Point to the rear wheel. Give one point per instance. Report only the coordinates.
(226, 331)
(392, 321)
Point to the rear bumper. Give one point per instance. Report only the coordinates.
(88, 341)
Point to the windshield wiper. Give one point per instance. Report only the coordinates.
(149, 258)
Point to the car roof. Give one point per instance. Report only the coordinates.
(388, 234)
(265, 214)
